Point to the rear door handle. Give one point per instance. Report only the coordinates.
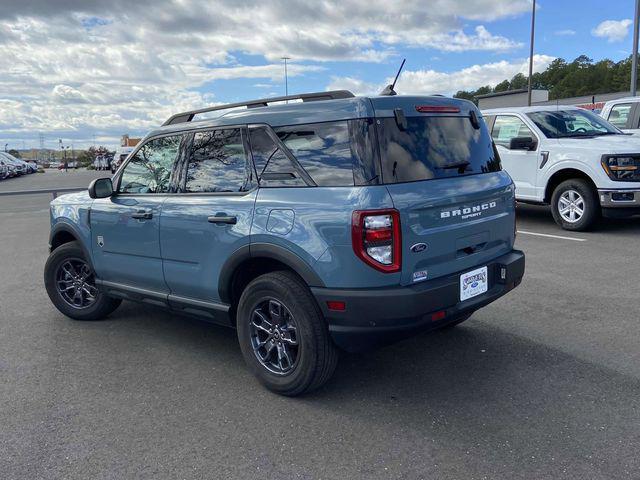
(220, 219)
(143, 215)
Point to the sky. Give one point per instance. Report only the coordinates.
(88, 71)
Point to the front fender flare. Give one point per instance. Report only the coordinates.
(62, 226)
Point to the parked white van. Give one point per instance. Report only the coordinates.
(570, 158)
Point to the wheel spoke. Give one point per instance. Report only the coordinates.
(282, 355)
(579, 211)
(263, 318)
(86, 290)
(261, 327)
(68, 269)
(290, 341)
(275, 311)
(268, 347)
(285, 352)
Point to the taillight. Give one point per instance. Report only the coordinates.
(377, 238)
(437, 109)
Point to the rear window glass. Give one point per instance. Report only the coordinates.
(333, 153)
(434, 147)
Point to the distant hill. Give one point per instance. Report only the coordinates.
(580, 77)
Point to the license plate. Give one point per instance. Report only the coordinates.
(473, 283)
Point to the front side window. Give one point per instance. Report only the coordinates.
(434, 147)
(218, 162)
(619, 115)
(572, 124)
(149, 171)
(507, 127)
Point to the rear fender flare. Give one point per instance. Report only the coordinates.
(264, 250)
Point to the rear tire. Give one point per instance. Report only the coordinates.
(575, 206)
(70, 282)
(277, 313)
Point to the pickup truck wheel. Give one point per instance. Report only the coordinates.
(283, 336)
(70, 283)
(574, 205)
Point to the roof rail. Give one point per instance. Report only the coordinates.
(264, 102)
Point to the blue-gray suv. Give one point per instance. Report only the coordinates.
(310, 223)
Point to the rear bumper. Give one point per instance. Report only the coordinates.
(375, 317)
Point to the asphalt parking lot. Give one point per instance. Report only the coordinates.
(542, 384)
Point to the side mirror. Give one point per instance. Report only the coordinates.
(101, 188)
(522, 143)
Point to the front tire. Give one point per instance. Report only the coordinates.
(283, 336)
(70, 282)
(574, 205)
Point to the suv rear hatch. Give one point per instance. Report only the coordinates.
(444, 177)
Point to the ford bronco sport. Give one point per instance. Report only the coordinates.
(330, 222)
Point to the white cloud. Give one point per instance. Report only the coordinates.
(90, 66)
(427, 82)
(565, 33)
(612, 30)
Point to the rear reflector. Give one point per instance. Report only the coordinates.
(336, 305)
(437, 109)
(438, 315)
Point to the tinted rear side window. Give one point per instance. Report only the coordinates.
(272, 165)
(434, 147)
(334, 154)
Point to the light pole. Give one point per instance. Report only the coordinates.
(286, 77)
(634, 60)
(533, 27)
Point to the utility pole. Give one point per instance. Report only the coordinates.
(286, 77)
(533, 28)
(41, 141)
(634, 60)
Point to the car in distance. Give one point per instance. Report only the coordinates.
(624, 113)
(569, 158)
(336, 222)
(19, 166)
(119, 157)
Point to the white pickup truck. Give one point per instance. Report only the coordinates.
(570, 158)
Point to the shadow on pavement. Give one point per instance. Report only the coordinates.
(540, 216)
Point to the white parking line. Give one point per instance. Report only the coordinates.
(552, 236)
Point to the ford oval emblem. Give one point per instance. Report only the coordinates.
(418, 247)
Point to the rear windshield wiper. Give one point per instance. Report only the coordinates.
(461, 166)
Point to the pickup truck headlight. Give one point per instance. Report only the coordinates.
(622, 168)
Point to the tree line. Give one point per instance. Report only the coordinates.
(567, 79)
